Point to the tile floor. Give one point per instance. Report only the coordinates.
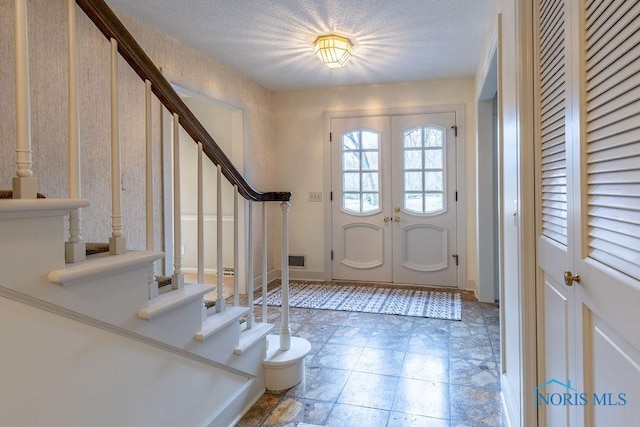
(369, 370)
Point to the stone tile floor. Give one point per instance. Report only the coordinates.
(369, 370)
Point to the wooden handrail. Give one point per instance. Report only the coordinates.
(109, 24)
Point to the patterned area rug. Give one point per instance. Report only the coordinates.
(369, 299)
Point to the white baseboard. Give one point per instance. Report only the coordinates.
(307, 275)
(271, 276)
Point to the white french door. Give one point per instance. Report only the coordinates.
(588, 95)
(394, 199)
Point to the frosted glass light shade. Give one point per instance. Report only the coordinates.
(333, 50)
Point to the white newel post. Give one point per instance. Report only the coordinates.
(220, 269)
(117, 241)
(285, 330)
(24, 183)
(200, 223)
(148, 127)
(177, 280)
(250, 295)
(236, 248)
(75, 248)
(264, 263)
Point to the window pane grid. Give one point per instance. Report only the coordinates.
(360, 171)
(423, 168)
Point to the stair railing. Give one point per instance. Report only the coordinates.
(125, 46)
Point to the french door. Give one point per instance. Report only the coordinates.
(588, 102)
(394, 199)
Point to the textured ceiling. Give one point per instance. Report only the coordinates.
(270, 41)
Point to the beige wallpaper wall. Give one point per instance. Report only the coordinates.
(47, 50)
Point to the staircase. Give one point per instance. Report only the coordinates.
(92, 338)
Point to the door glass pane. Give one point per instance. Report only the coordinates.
(370, 160)
(370, 202)
(413, 159)
(423, 164)
(350, 161)
(413, 202)
(370, 181)
(433, 181)
(351, 182)
(369, 140)
(360, 171)
(413, 138)
(433, 202)
(351, 202)
(433, 159)
(351, 141)
(433, 137)
(413, 181)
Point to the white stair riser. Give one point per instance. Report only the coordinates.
(30, 249)
(218, 347)
(176, 327)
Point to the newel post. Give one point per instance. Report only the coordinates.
(285, 330)
(24, 183)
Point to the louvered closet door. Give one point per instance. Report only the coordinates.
(555, 254)
(608, 222)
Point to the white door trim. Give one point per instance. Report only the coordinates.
(459, 110)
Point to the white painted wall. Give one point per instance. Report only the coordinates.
(300, 146)
(217, 120)
(59, 372)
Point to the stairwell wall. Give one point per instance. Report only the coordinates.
(48, 62)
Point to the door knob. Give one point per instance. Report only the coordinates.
(386, 218)
(569, 278)
(396, 209)
(396, 219)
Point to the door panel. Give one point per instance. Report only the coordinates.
(602, 158)
(424, 199)
(361, 188)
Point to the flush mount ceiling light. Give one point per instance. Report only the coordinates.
(333, 50)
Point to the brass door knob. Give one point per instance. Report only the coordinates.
(396, 219)
(386, 218)
(569, 278)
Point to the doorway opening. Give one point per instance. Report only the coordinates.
(397, 197)
(488, 188)
(224, 122)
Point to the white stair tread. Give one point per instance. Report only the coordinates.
(218, 321)
(278, 358)
(170, 300)
(102, 265)
(249, 337)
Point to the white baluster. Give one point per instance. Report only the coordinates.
(285, 330)
(250, 318)
(177, 280)
(151, 279)
(24, 183)
(220, 303)
(75, 248)
(117, 241)
(149, 165)
(264, 263)
(236, 248)
(200, 237)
